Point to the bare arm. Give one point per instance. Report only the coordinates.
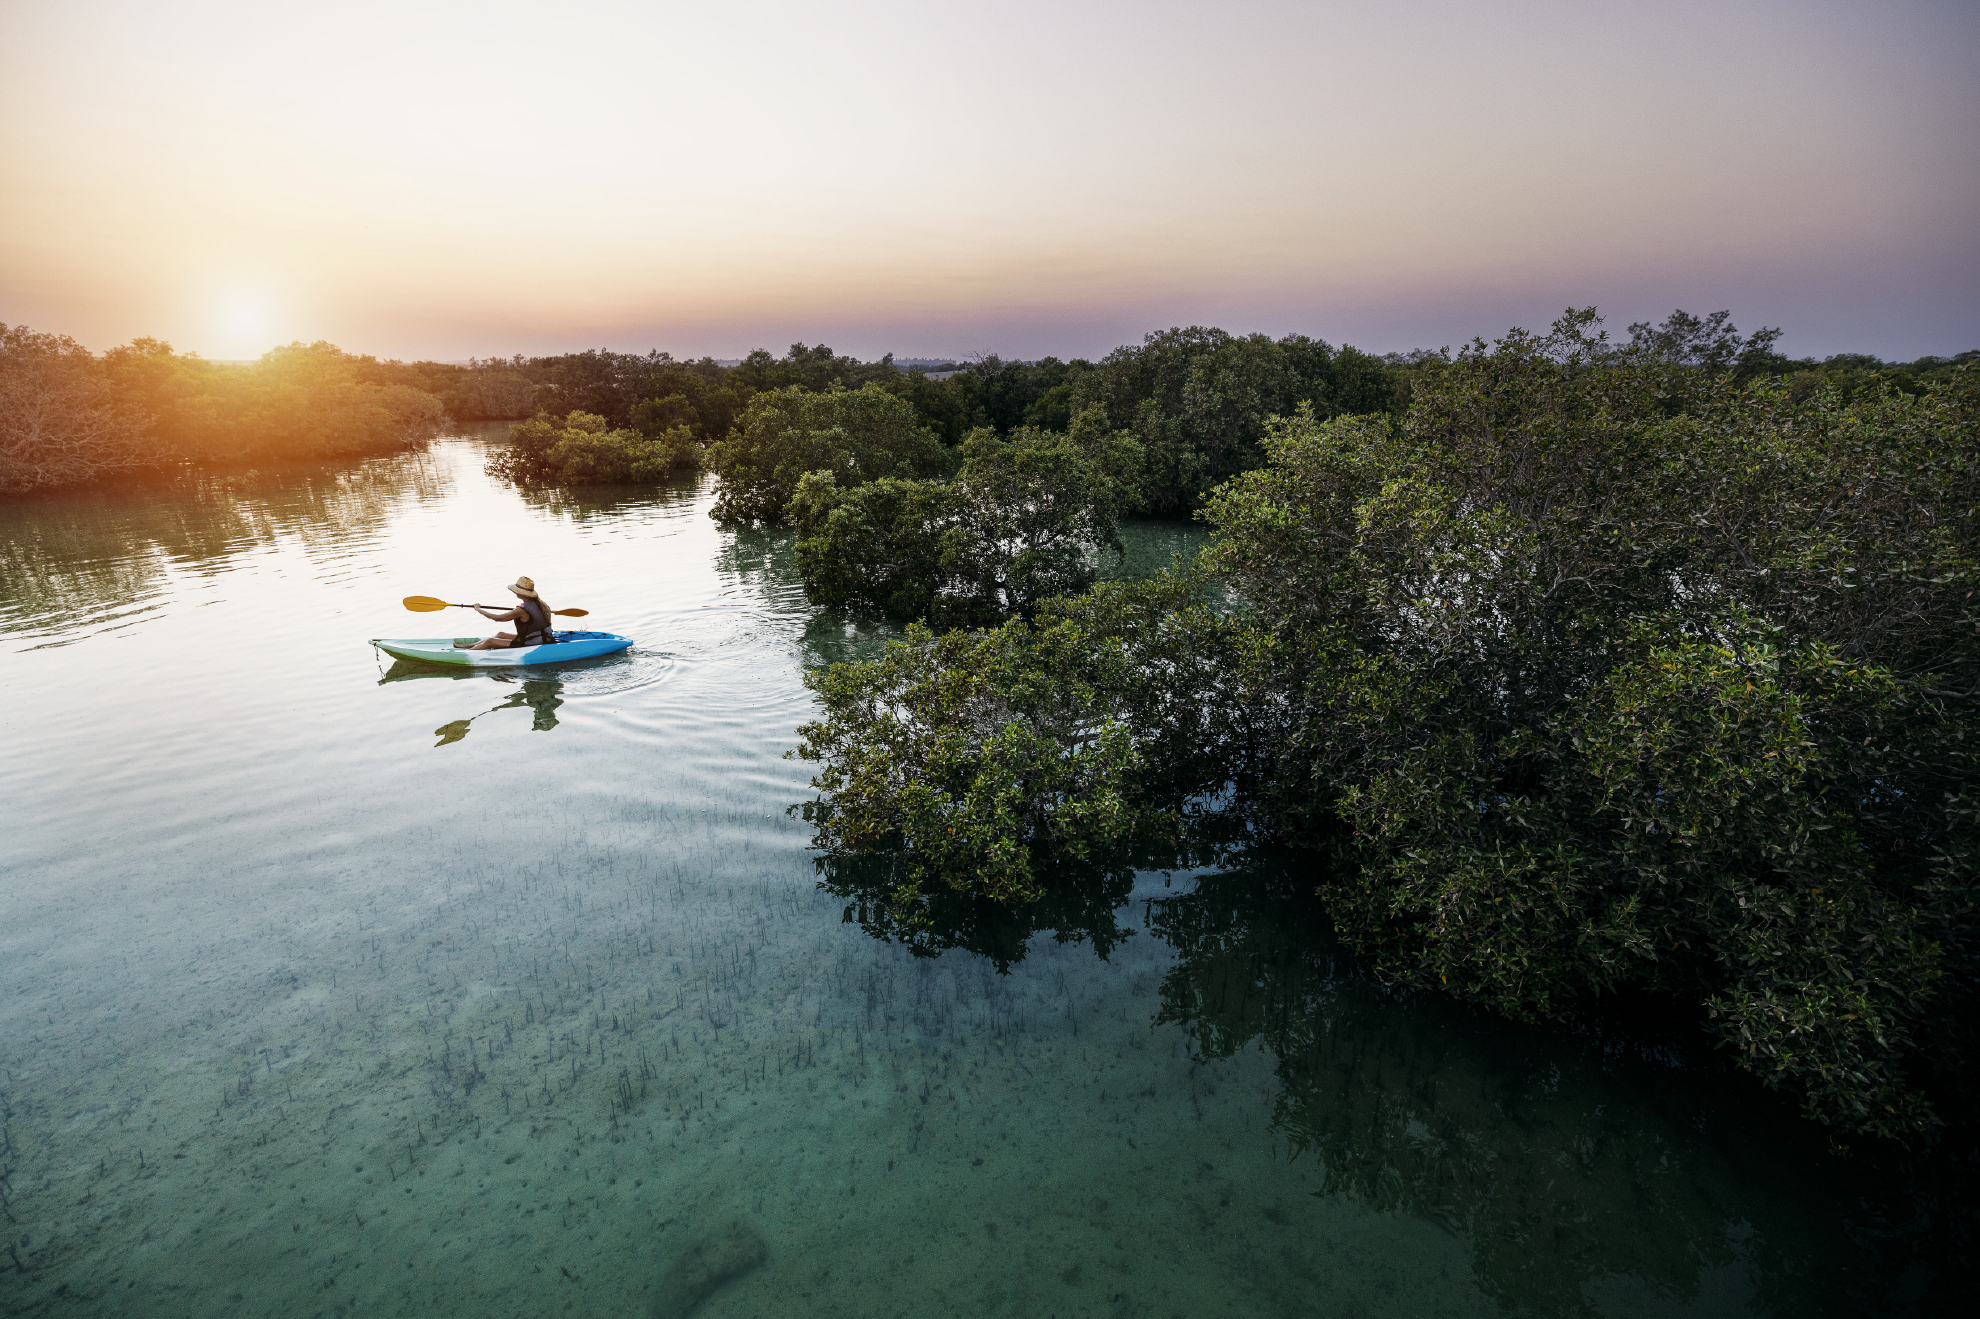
(505, 616)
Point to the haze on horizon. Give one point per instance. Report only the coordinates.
(444, 180)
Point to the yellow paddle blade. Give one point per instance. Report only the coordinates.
(572, 613)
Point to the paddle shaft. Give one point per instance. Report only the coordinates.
(426, 604)
(554, 613)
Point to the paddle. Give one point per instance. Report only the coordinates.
(426, 604)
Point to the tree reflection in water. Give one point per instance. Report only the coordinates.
(1596, 1166)
(1081, 905)
(75, 558)
(584, 503)
(1581, 1161)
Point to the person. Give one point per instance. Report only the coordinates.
(531, 617)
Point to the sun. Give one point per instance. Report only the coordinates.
(245, 324)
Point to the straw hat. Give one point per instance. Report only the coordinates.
(524, 586)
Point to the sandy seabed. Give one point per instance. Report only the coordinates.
(632, 1094)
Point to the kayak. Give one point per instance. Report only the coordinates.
(442, 650)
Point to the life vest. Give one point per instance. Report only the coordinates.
(534, 630)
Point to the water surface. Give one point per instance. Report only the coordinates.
(333, 986)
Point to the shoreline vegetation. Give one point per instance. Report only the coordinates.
(1587, 670)
(1570, 668)
(1195, 400)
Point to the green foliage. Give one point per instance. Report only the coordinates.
(581, 450)
(968, 755)
(979, 759)
(611, 385)
(1711, 343)
(948, 408)
(489, 391)
(876, 546)
(1198, 401)
(1604, 693)
(1052, 411)
(988, 393)
(1598, 669)
(1034, 512)
(1024, 520)
(61, 421)
(143, 405)
(1849, 375)
(300, 401)
(656, 416)
(858, 435)
(815, 368)
(1006, 395)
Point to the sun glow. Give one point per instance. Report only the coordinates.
(244, 326)
(452, 179)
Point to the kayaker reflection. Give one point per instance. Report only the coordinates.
(531, 617)
(542, 695)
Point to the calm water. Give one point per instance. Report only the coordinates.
(332, 987)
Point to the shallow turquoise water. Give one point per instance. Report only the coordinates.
(328, 987)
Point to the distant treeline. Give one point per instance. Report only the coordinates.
(69, 416)
(1196, 400)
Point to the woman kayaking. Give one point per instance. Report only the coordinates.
(531, 617)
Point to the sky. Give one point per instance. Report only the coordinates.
(442, 180)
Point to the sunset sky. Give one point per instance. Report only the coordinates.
(445, 180)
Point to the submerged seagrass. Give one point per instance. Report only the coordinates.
(705, 1265)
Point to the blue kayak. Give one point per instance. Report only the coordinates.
(442, 650)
